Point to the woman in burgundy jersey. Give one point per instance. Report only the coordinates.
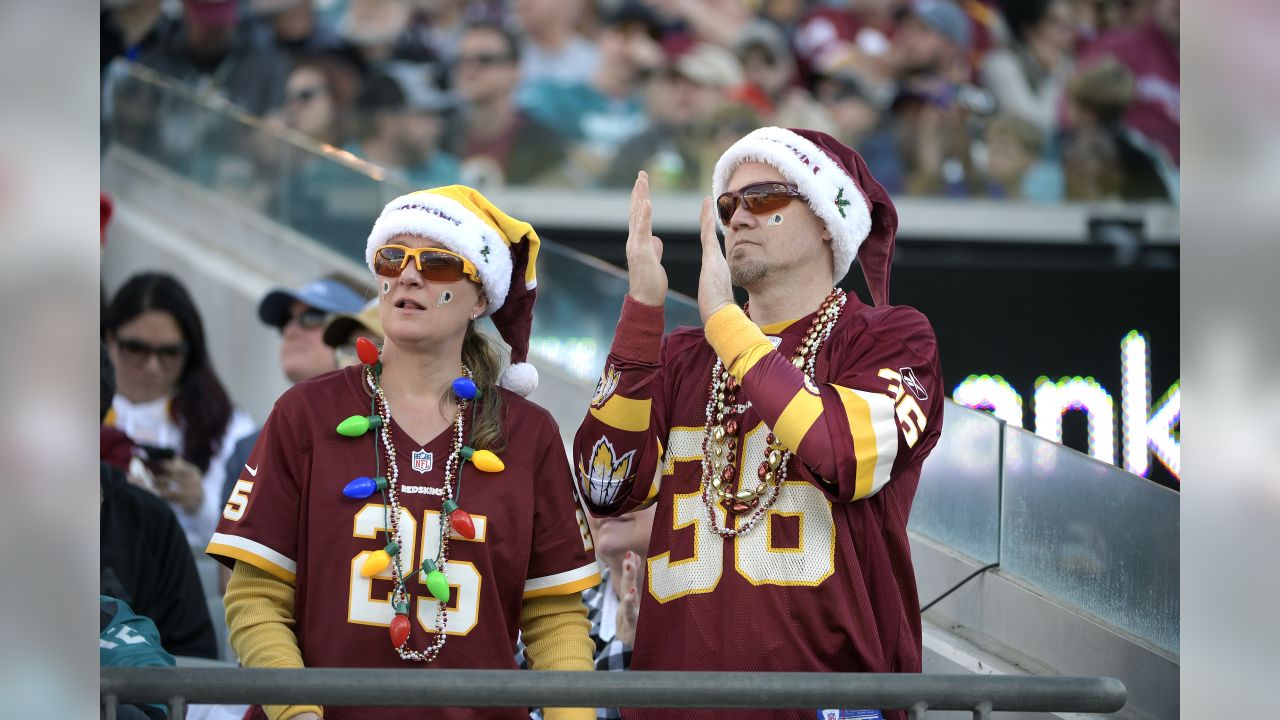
(461, 528)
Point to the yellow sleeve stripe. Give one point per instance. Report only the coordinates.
(255, 554)
(748, 358)
(731, 333)
(797, 417)
(875, 438)
(624, 413)
(569, 581)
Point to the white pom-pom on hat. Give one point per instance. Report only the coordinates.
(520, 378)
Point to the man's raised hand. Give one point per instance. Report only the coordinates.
(715, 285)
(648, 279)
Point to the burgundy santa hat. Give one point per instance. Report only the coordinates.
(839, 188)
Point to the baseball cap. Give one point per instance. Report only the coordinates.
(219, 13)
(946, 18)
(324, 294)
(342, 325)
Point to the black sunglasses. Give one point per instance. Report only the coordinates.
(308, 319)
(304, 95)
(483, 59)
(138, 351)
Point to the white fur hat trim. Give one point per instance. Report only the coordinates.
(435, 217)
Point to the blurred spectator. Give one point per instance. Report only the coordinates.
(443, 22)
(680, 102)
(1099, 16)
(718, 22)
(344, 329)
(207, 50)
(552, 49)
(128, 27)
(613, 606)
(1102, 157)
(1150, 52)
(169, 398)
(501, 144)
(403, 133)
(932, 41)
(935, 103)
(301, 317)
(378, 36)
(292, 26)
(604, 113)
(320, 97)
(767, 64)
(933, 132)
(1015, 169)
(847, 37)
(144, 558)
(859, 122)
(1029, 77)
(126, 639)
(770, 70)
(785, 14)
(620, 543)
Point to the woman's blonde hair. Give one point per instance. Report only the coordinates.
(482, 354)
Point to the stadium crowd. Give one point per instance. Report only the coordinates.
(1044, 100)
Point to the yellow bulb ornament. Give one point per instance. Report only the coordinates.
(484, 460)
(379, 561)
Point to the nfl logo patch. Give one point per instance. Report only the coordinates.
(421, 461)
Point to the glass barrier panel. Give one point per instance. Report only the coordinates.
(579, 301)
(958, 500)
(1093, 535)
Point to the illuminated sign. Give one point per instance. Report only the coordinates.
(1145, 429)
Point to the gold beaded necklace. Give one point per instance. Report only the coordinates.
(720, 437)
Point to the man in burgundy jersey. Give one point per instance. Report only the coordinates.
(782, 447)
(328, 572)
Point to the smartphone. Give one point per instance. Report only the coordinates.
(151, 454)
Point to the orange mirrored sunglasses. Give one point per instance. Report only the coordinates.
(436, 264)
(757, 198)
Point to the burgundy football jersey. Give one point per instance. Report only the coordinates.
(824, 582)
(289, 517)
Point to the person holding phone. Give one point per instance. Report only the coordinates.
(169, 400)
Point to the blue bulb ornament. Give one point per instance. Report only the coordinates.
(465, 389)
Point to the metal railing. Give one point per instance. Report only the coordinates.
(979, 694)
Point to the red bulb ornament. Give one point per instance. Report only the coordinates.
(366, 351)
(460, 520)
(399, 629)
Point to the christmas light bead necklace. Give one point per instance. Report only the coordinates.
(379, 420)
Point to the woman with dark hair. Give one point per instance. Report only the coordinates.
(416, 509)
(168, 398)
(320, 97)
(1029, 76)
